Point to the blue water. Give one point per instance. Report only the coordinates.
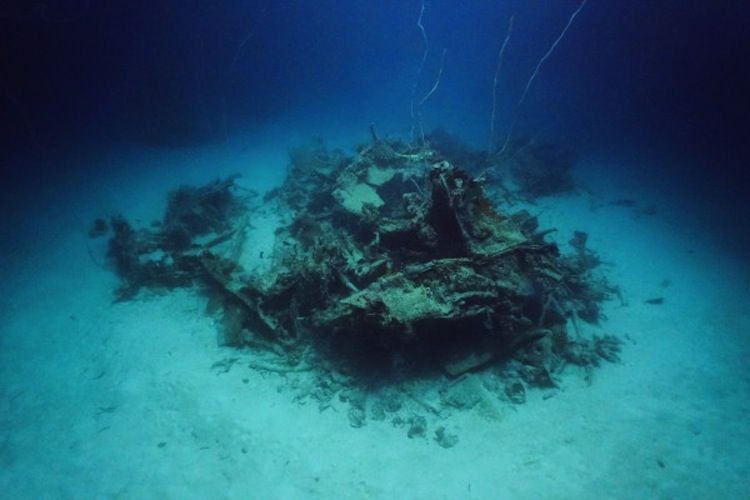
(106, 106)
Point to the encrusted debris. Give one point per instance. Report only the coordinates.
(386, 269)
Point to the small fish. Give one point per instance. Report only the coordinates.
(106, 409)
(656, 301)
(623, 202)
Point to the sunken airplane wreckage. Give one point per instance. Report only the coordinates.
(389, 265)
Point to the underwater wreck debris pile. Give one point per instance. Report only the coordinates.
(168, 255)
(390, 266)
(539, 169)
(523, 170)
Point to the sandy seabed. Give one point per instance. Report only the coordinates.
(103, 400)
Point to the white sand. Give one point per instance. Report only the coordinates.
(89, 389)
